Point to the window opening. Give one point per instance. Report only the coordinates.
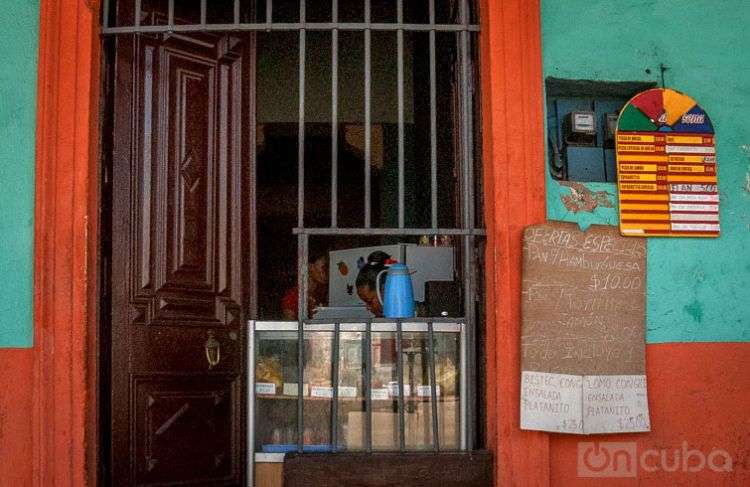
(365, 137)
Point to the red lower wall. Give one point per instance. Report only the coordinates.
(699, 393)
(16, 377)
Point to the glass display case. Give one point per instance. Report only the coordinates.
(379, 386)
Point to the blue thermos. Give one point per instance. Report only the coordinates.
(398, 295)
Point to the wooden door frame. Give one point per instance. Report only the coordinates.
(66, 291)
(64, 397)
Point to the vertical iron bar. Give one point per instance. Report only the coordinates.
(105, 14)
(236, 12)
(470, 93)
(433, 123)
(335, 383)
(400, 40)
(466, 162)
(468, 241)
(203, 13)
(433, 386)
(137, 18)
(301, 139)
(251, 423)
(400, 372)
(469, 313)
(302, 258)
(334, 116)
(463, 390)
(367, 389)
(368, 115)
(170, 14)
(269, 11)
(302, 242)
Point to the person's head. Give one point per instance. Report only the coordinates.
(367, 281)
(317, 267)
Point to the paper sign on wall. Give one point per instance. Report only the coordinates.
(583, 331)
(666, 167)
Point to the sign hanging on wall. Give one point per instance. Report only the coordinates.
(666, 167)
(583, 330)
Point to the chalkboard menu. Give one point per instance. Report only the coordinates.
(583, 330)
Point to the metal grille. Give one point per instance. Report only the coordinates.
(466, 232)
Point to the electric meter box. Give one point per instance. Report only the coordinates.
(580, 122)
(610, 126)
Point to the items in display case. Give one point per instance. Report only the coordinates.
(277, 388)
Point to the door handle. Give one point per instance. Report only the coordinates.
(213, 351)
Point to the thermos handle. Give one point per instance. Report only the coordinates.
(377, 285)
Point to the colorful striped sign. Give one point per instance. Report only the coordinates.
(666, 167)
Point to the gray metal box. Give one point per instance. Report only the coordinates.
(585, 163)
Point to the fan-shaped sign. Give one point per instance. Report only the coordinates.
(666, 167)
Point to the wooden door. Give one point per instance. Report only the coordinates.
(180, 222)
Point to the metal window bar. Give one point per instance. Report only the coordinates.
(335, 384)
(433, 124)
(302, 312)
(334, 116)
(284, 26)
(368, 115)
(367, 390)
(269, 25)
(433, 386)
(400, 94)
(301, 139)
(400, 380)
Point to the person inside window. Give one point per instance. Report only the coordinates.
(367, 281)
(317, 288)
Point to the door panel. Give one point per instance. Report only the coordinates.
(180, 199)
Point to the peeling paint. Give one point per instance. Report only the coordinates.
(581, 198)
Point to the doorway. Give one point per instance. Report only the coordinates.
(184, 199)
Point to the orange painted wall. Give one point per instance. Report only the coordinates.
(698, 393)
(46, 405)
(16, 374)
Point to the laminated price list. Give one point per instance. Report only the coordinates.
(666, 167)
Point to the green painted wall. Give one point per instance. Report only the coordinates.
(698, 289)
(18, 69)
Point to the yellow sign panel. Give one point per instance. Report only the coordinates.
(637, 187)
(684, 139)
(675, 178)
(638, 148)
(637, 177)
(676, 168)
(645, 226)
(641, 196)
(681, 158)
(638, 167)
(642, 158)
(644, 206)
(635, 138)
